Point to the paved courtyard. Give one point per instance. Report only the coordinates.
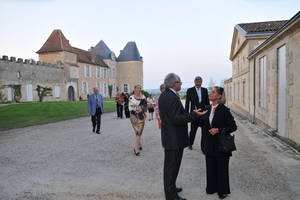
(65, 160)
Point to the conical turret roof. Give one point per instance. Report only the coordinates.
(130, 53)
(102, 50)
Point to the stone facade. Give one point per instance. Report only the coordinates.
(268, 85)
(29, 74)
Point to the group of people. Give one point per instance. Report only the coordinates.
(214, 119)
(122, 100)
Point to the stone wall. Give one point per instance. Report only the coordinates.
(29, 74)
(130, 73)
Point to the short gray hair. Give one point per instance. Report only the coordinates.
(198, 78)
(171, 79)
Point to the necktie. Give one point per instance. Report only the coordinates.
(97, 101)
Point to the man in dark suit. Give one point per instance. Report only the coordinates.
(95, 108)
(196, 97)
(174, 133)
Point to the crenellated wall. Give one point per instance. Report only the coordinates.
(29, 73)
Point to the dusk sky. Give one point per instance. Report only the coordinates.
(190, 38)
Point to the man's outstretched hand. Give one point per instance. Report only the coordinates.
(199, 112)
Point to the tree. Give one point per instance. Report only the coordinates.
(43, 92)
(17, 92)
(110, 87)
(145, 93)
(2, 97)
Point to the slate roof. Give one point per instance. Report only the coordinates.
(58, 42)
(130, 53)
(259, 27)
(102, 50)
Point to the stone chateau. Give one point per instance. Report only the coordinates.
(71, 72)
(265, 67)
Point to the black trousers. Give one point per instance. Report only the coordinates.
(194, 128)
(96, 119)
(171, 169)
(217, 175)
(119, 110)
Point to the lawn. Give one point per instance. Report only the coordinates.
(28, 114)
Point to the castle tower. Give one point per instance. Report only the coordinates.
(129, 68)
(57, 48)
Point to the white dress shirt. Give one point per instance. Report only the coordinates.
(198, 90)
(212, 112)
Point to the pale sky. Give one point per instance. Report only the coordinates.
(187, 37)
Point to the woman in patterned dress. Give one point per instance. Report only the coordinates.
(137, 108)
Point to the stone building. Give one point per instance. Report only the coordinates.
(80, 70)
(265, 63)
(28, 74)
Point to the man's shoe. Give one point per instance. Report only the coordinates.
(179, 198)
(98, 132)
(191, 147)
(222, 196)
(94, 130)
(178, 190)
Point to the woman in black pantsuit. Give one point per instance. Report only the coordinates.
(217, 118)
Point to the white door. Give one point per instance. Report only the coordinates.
(281, 115)
(9, 94)
(29, 92)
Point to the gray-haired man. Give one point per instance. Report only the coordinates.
(174, 133)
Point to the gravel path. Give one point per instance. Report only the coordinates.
(65, 160)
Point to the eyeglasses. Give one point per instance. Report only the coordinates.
(178, 82)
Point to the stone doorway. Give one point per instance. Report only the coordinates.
(71, 93)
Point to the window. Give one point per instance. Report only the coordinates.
(113, 73)
(262, 82)
(114, 88)
(57, 91)
(85, 88)
(234, 92)
(97, 72)
(105, 73)
(90, 71)
(104, 89)
(98, 85)
(238, 91)
(102, 73)
(87, 71)
(19, 75)
(125, 88)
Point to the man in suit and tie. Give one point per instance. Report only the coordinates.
(95, 108)
(174, 133)
(196, 97)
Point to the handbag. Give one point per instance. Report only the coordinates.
(226, 142)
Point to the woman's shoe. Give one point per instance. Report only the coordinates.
(222, 196)
(136, 153)
(141, 148)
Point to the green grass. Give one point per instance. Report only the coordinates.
(28, 114)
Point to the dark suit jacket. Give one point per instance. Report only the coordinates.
(193, 99)
(174, 130)
(223, 119)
